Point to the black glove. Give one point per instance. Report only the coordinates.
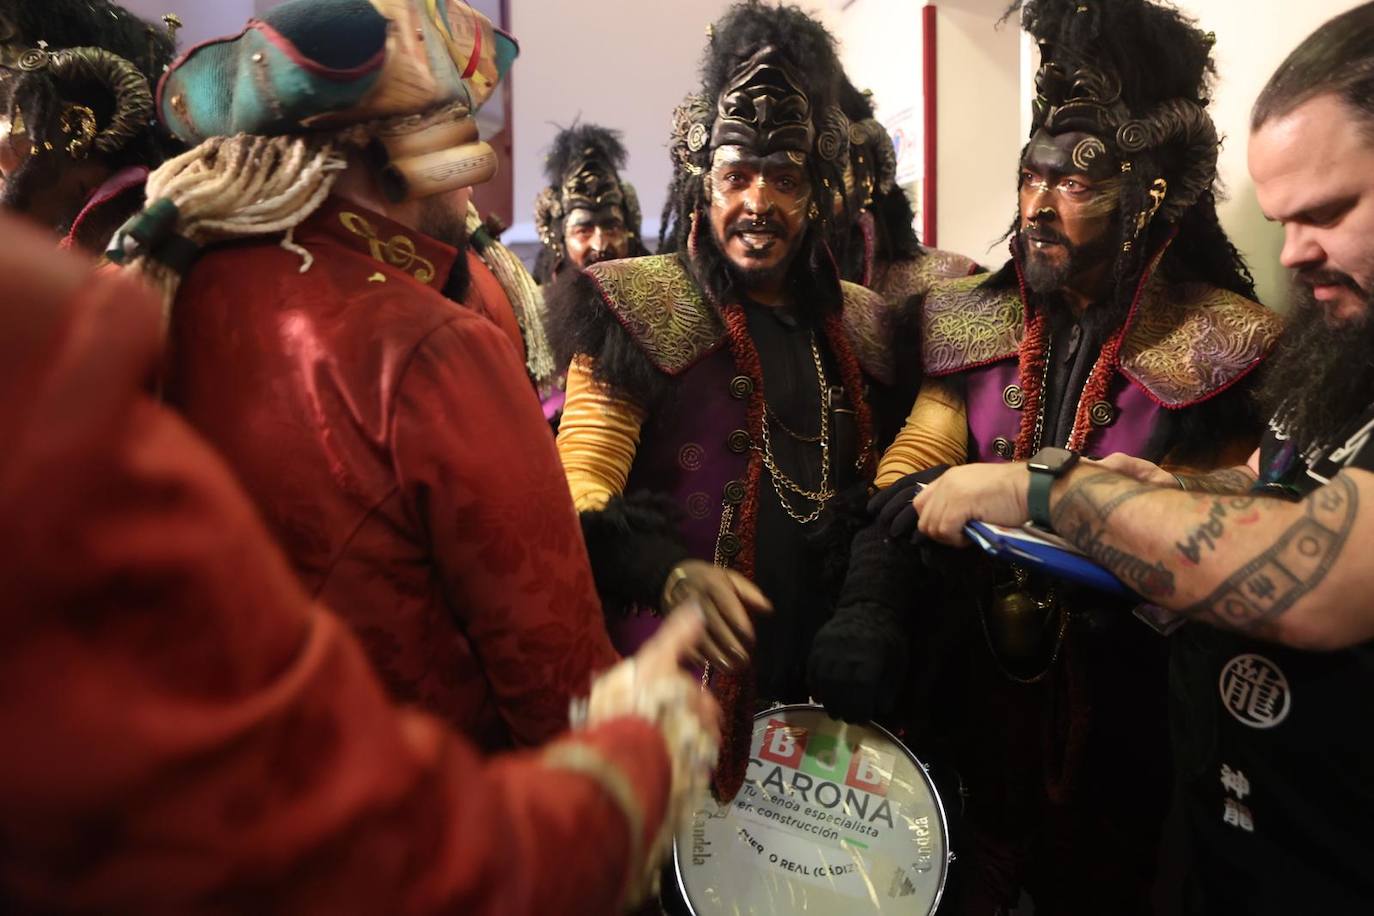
(858, 662)
(858, 659)
(633, 543)
(892, 506)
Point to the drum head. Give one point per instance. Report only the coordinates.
(832, 819)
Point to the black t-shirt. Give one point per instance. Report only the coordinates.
(1274, 748)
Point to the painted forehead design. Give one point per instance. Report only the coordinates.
(1071, 152)
(588, 215)
(737, 155)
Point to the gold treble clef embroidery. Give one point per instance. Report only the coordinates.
(398, 251)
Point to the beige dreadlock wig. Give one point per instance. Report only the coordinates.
(227, 188)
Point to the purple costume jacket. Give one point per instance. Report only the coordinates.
(1093, 718)
(697, 450)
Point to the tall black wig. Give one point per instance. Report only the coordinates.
(78, 83)
(809, 52)
(573, 148)
(1137, 75)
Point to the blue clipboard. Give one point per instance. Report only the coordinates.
(1046, 553)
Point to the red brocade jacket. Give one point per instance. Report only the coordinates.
(396, 449)
(184, 731)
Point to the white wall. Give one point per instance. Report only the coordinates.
(624, 64)
(978, 127)
(201, 19)
(1253, 38)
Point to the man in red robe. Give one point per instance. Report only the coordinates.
(310, 251)
(187, 732)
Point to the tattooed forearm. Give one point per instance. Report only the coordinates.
(1081, 517)
(1209, 533)
(1150, 580)
(1274, 581)
(1171, 550)
(1223, 482)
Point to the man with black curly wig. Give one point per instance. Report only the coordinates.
(1123, 322)
(79, 132)
(588, 213)
(716, 396)
(882, 249)
(1267, 561)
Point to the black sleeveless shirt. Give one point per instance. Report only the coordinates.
(1274, 747)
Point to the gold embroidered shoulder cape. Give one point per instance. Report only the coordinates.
(667, 314)
(899, 281)
(1186, 341)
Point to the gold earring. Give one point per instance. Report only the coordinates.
(1159, 189)
(78, 122)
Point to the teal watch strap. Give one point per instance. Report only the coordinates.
(1038, 496)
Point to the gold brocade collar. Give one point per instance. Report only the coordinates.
(1186, 341)
(392, 248)
(665, 312)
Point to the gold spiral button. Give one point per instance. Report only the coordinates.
(1102, 413)
(741, 387)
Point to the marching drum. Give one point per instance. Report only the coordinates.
(833, 819)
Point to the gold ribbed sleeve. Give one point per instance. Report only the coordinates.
(936, 432)
(597, 438)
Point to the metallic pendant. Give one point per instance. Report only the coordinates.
(1024, 632)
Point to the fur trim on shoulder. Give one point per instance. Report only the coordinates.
(580, 324)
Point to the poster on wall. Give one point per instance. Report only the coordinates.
(908, 140)
(883, 45)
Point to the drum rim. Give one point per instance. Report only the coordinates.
(920, 766)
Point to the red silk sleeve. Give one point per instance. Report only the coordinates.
(506, 539)
(185, 733)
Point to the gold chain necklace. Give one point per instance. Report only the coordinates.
(783, 484)
(777, 421)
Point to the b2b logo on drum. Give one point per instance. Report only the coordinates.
(827, 757)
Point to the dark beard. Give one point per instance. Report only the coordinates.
(1319, 378)
(459, 278)
(443, 224)
(596, 257)
(1098, 322)
(1043, 277)
(747, 278)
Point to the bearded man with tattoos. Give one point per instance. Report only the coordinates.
(1269, 563)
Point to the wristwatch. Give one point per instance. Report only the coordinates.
(1046, 466)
